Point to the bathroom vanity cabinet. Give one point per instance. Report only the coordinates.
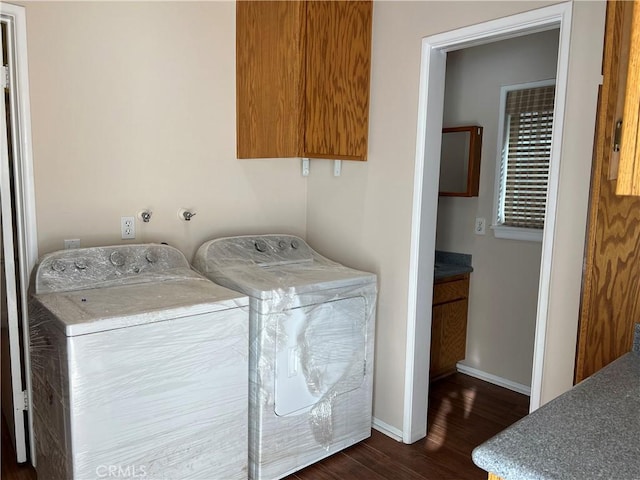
(449, 324)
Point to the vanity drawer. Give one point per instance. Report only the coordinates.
(450, 291)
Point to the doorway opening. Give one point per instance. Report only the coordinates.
(502, 303)
(423, 241)
(17, 222)
(488, 331)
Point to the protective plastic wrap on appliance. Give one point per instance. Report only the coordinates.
(249, 264)
(162, 400)
(107, 296)
(292, 300)
(123, 392)
(83, 268)
(336, 362)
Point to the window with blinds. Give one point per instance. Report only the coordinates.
(524, 173)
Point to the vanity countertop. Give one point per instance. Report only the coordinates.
(590, 432)
(451, 264)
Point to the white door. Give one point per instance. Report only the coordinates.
(13, 399)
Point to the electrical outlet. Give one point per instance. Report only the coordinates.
(481, 224)
(128, 227)
(72, 243)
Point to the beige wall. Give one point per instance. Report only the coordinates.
(363, 218)
(585, 67)
(133, 107)
(504, 286)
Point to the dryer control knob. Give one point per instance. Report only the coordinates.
(151, 257)
(58, 266)
(261, 245)
(294, 244)
(81, 264)
(282, 244)
(117, 259)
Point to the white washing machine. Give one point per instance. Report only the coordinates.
(139, 368)
(312, 324)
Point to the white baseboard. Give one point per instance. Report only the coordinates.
(396, 434)
(386, 429)
(488, 377)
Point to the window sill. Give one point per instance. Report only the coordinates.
(515, 233)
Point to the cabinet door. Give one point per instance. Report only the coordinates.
(437, 317)
(338, 57)
(449, 336)
(629, 169)
(270, 78)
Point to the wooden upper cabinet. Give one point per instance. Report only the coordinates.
(337, 79)
(270, 78)
(629, 163)
(303, 70)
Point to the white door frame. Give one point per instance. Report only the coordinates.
(425, 196)
(25, 212)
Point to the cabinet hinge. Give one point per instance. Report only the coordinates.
(4, 76)
(617, 135)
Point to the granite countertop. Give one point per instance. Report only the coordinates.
(590, 432)
(449, 264)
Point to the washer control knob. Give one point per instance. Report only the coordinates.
(261, 245)
(58, 266)
(151, 257)
(282, 244)
(294, 244)
(117, 259)
(136, 269)
(81, 264)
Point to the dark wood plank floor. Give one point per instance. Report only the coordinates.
(10, 469)
(463, 412)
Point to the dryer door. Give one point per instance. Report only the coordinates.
(322, 351)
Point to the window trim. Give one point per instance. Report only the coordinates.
(500, 230)
(517, 233)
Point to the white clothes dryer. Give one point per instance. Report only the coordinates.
(138, 367)
(312, 324)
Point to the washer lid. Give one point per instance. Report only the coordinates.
(95, 310)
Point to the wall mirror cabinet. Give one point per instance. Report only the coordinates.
(460, 161)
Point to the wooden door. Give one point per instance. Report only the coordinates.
(338, 57)
(611, 283)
